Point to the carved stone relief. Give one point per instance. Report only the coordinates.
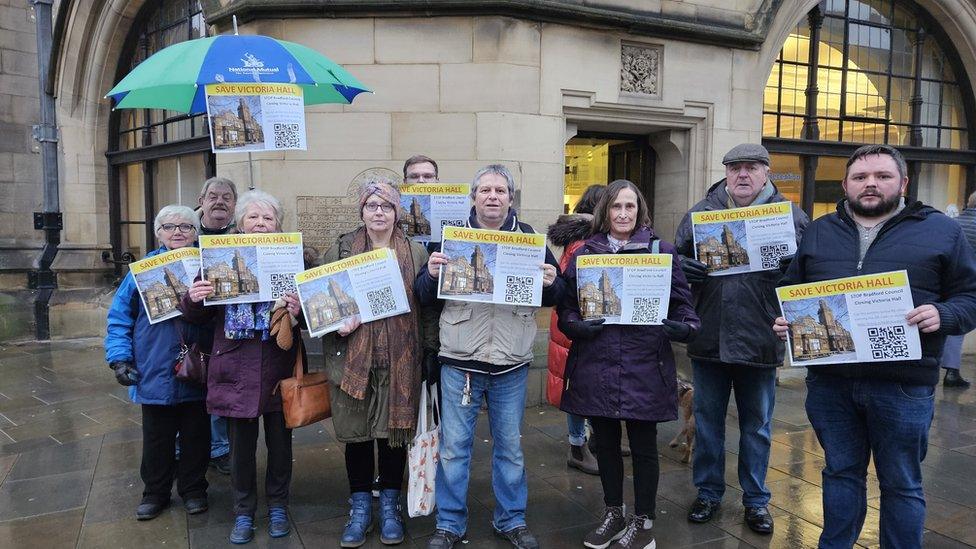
(640, 69)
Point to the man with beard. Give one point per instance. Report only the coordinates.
(882, 409)
(217, 201)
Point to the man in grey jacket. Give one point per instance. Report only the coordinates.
(952, 352)
(733, 349)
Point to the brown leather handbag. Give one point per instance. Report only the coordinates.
(191, 363)
(304, 397)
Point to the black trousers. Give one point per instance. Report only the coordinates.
(359, 465)
(160, 425)
(243, 435)
(643, 448)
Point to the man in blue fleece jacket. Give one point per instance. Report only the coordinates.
(882, 409)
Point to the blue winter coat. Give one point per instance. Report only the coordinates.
(153, 348)
(941, 271)
(627, 371)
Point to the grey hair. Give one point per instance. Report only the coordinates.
(176, 210)
(218, 181)
(256, 196)
(971, 202)
(496, 169)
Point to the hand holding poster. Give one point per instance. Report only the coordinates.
(256, 117)
(495, 266)
(855, 319)
(741, 240)
(250, 268)
(161, 281)
(624, 288)
(428, 207)
(367, 285)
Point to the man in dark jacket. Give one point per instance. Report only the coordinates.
(882, 409)
(485, 352)
(952, 353)
(733, 349)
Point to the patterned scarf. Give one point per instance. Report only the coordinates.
(248, 320)
(403, 348)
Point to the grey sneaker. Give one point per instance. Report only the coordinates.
(638, 534)
(611, 528)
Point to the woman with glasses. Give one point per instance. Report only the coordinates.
(142, 356)
(374, 369)
(245, 367)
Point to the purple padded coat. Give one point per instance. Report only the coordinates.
(626, 372)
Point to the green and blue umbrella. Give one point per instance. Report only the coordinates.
(176, 77)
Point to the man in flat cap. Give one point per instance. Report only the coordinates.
(732, 350)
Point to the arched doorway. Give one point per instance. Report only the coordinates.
(156, 157)
(869, 71)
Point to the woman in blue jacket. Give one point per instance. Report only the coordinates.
(142, 356)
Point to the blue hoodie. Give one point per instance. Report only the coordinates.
(153, 348)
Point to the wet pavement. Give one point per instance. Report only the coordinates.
(70, 449)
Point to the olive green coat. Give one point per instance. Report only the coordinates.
(368, 419)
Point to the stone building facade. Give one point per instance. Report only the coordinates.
(722, 253)
(233, 280)
(163, 297)
(413, 221)
(818, 337)
(330, 306)
(235, 129)
(656, 90)
(464, 277)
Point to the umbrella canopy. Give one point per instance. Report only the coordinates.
(175, 78)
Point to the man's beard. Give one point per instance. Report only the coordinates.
(885, 206)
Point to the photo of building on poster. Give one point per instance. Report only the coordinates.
(599, 293)
(722, 247)
(233, 273)
(329, 301)
(235, 122)
(163, 279)
(415, 215)
(468, 271)
(820, 328)
(247, 117)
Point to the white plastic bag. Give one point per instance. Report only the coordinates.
(422, 458)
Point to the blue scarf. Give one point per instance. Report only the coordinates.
(248, 320)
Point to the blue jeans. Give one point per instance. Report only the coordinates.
(505, 394)
(219, 443)
(755, 394)
(855, 418)
(576, 425)
(952, 352)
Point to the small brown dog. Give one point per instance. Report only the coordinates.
(686, 399)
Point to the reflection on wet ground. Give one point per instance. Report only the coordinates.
(70, 448)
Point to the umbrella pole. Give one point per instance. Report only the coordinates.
(250, 170)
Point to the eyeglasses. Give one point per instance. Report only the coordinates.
(385, 206)
(183, 227)
(430, 176)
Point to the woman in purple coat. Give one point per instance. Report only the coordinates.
(623, 372)
(244, 369)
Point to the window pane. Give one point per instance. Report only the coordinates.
(829, 129)
(902, 52)
(862, 132)
(899, 135)
(831, 52)
(876, 11)
(769, 125)
(835, 7)
(865, 95)
(790, 127)
(829, 83)
(904, 19)
(869, 48)
(943, 186)
(786, 172)
(797, 45)
(827, 189)
(900, 108)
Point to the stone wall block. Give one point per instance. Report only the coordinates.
(27, 167)
(15, 62)
(11, 39)
(15, 18)
(432, 40)
(575, 59)
(520, 137)
(345, 41)
(14, 84)
(505, 40)
(347, 136)
(489, 87)
(440, 136)
(14, 138)
(397, 88)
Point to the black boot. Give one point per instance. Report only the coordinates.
(953, 379)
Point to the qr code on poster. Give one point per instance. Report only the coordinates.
(646, 310)
(282, 283)
(518, 289)
(770, 254)
(452, 223)
(888, 342)
(287, 136)
(381, 301)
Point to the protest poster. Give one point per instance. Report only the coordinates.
(368, 285)
(854, 319)
(741, 240)
(426, 208)
(162, 279)
(492, 266)
(624, 288)
(250, 268)
(256, 117)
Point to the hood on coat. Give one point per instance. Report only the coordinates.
(570, 228)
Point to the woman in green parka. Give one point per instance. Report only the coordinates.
(375, 373)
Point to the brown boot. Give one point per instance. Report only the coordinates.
(581, 458)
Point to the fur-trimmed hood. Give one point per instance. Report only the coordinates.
(570, 228)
